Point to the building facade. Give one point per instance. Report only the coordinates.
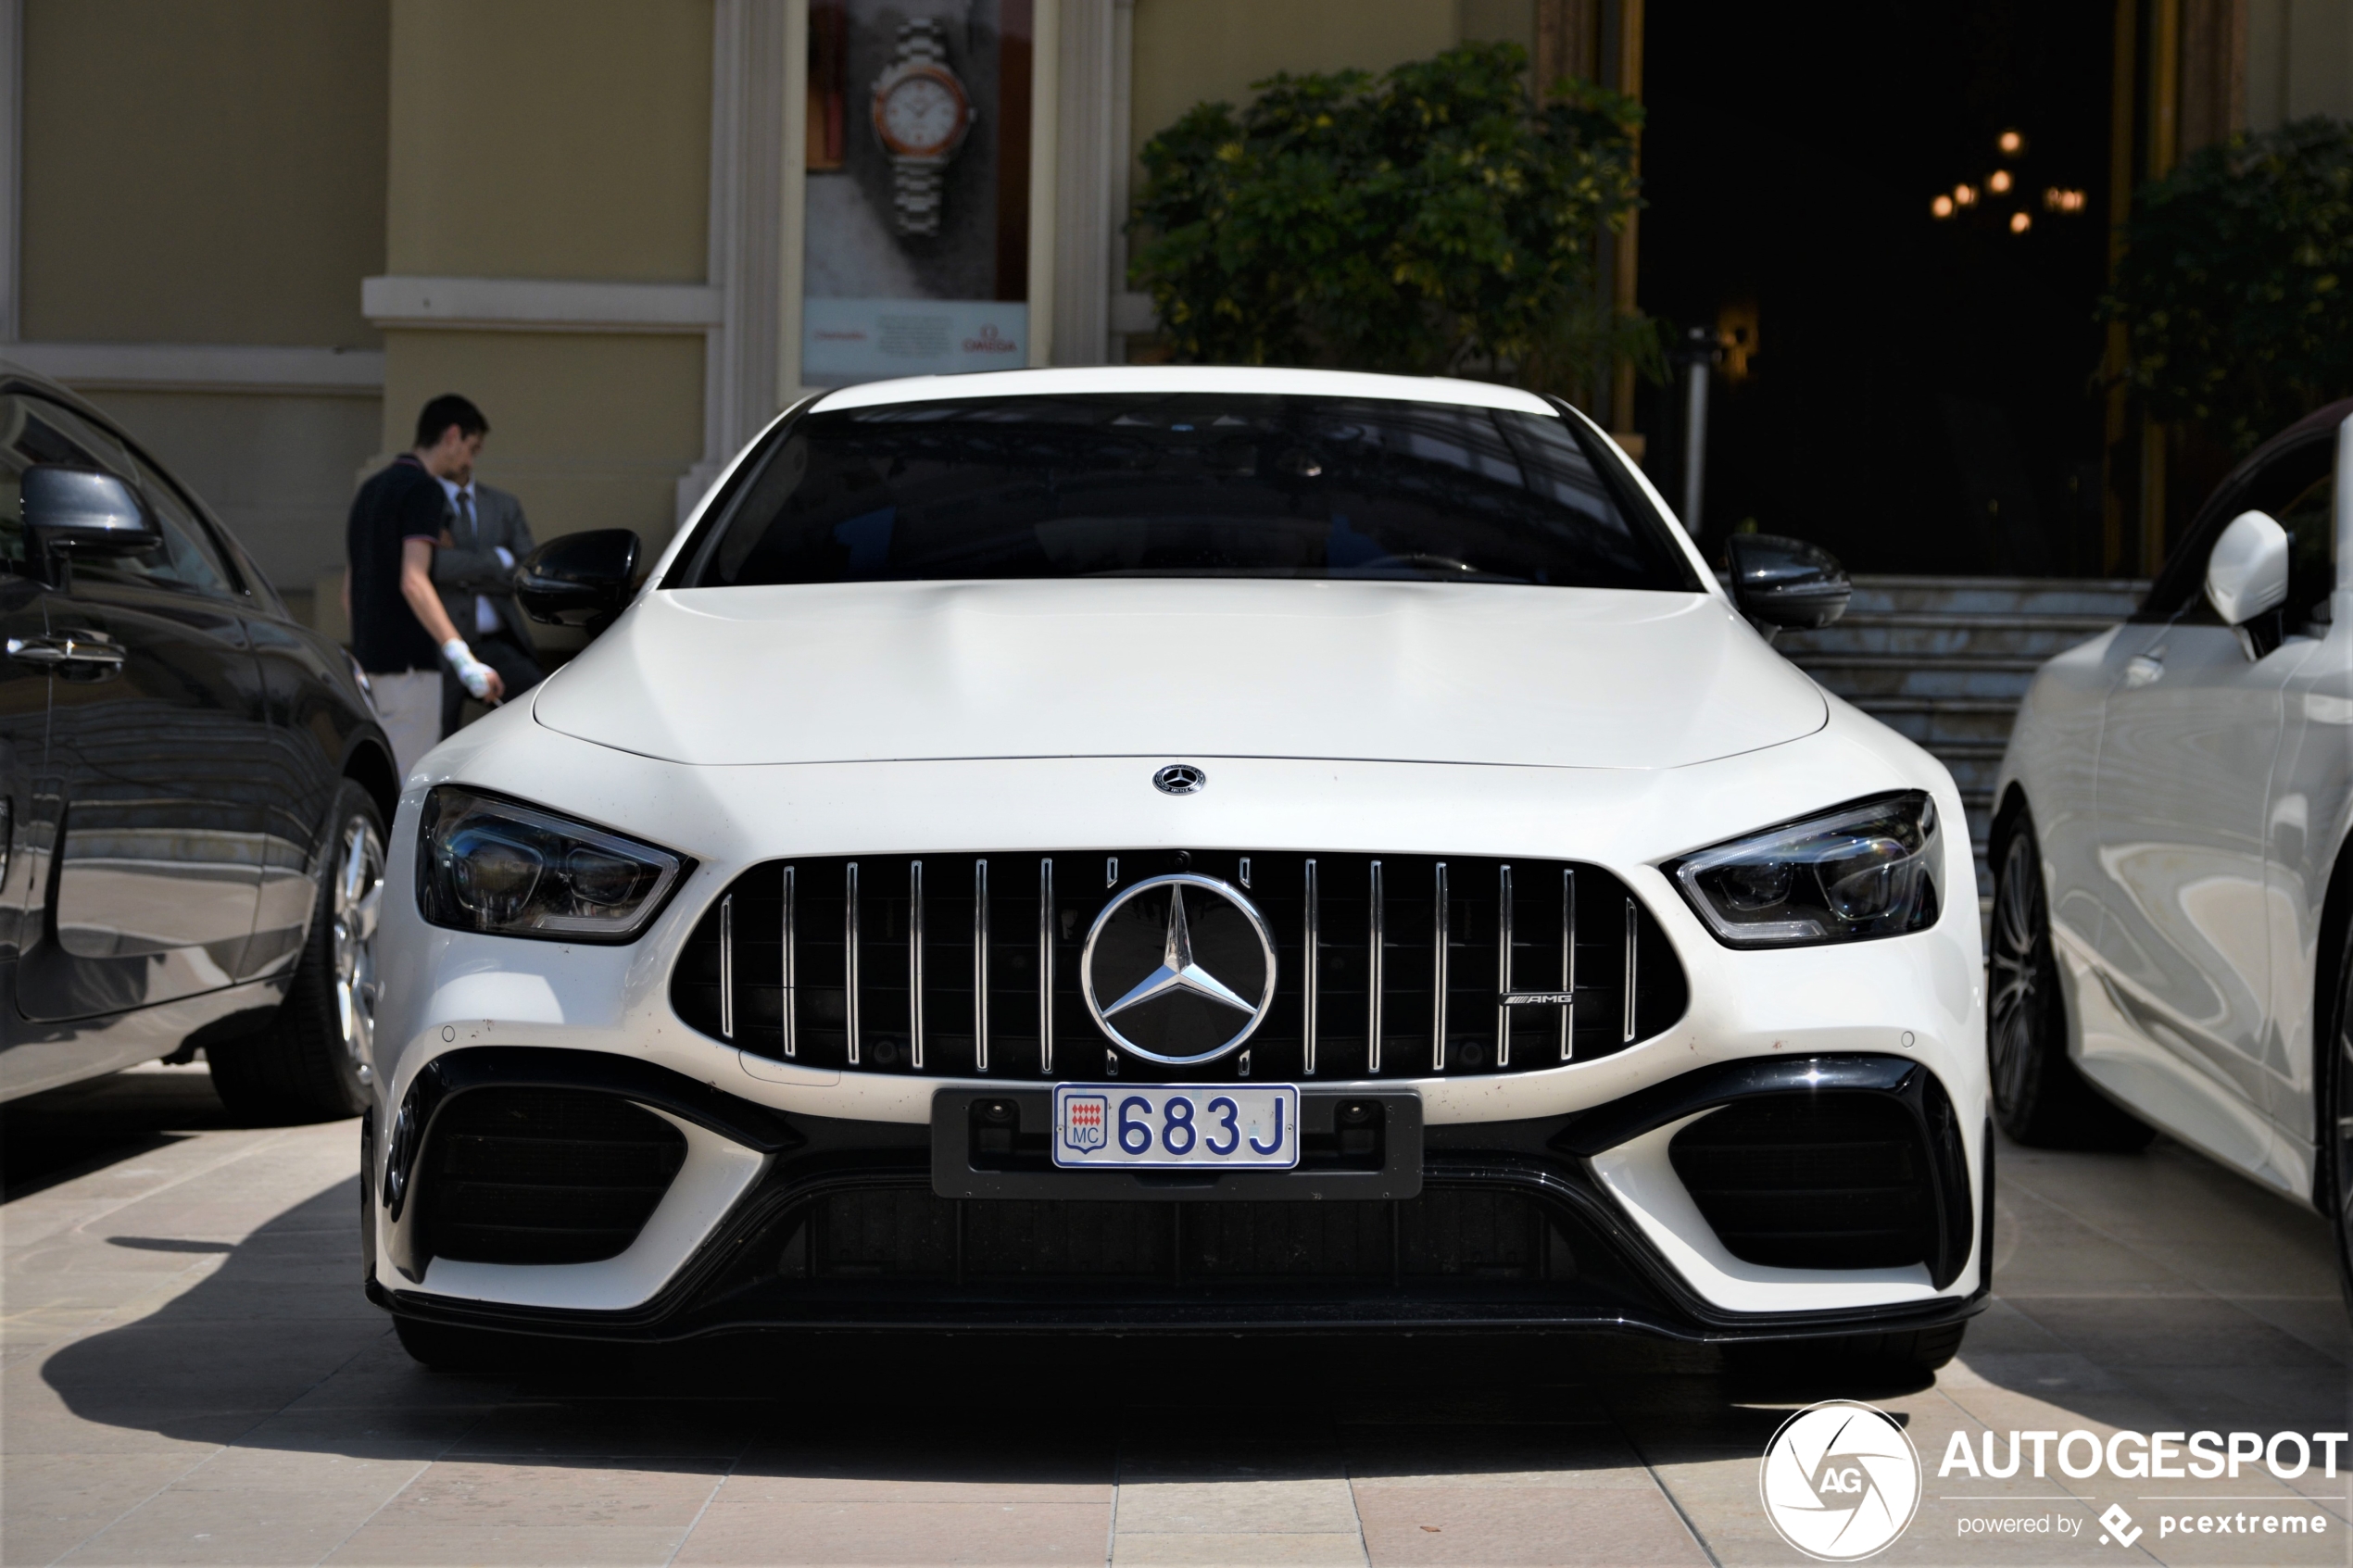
(264, 232)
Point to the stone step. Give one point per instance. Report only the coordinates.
(2110, 599)
(1947, 661)
(1935, 722)
(1860, 676)
(1943, 635)
(1974, 774)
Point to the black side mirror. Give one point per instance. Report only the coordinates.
(580, 579)
(1783, 583)
(80, 510)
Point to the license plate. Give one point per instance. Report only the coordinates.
(1176, 1126)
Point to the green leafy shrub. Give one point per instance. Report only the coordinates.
(1432, 219)
(2234, 281)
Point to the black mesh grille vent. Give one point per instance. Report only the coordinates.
(1826, 1181)
(542, 1176)
(782, 934)
(899, 1233)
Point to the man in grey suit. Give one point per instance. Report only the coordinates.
(474, 570)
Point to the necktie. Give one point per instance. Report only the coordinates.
(485, 613)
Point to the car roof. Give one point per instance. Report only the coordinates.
(15, 377)
(1095, 379)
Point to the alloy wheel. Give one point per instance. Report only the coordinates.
(358, 898)
(2020, 957)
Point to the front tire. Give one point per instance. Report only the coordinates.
(2039, 1098)
(316, 1060)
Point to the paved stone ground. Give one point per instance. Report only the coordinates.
(188, 1374)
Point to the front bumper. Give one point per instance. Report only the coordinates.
(1608, 1232)
(778, 1220)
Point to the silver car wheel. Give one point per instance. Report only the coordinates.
(358, 897)
(2017, 1007)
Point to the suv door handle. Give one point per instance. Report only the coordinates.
(86, 651)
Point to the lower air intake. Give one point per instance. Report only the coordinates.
(542, 1176)
(1821, 1181)
(1444, 1234)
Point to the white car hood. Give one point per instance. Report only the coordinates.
(1402, 672)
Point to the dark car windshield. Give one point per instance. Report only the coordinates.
(1183, 484)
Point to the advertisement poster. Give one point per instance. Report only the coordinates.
(916, 259)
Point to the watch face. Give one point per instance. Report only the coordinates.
(920, 115)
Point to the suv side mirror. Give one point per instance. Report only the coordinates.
(83, 510)
(1780, 582)
(580, 579)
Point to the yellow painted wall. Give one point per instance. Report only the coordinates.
(588, 431)
(2299, 60)
(550, 139)
(1187, 51)
(1513, 19)
(276, 469)
(202, 171)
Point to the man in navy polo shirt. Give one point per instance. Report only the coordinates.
(400, 632)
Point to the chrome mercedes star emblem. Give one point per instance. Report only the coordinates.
(1183, 1009)
(1179, 778)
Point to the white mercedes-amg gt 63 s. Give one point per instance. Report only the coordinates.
(2172, 884)
(1149, 849)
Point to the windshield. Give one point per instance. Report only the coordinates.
(1184, 484)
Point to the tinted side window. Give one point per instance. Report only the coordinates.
(2289, 485)
(2310, 518)
(28, 436)
(186, 558)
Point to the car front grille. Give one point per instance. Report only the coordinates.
(1387, 966)
(542, 1176)
(1823, 1180)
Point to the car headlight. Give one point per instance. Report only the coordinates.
(1861, 871)
(487, 864)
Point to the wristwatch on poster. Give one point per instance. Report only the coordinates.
(922, 114)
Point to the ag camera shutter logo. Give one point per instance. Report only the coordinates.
(1840, 1481)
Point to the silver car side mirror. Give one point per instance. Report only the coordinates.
(2248, 572)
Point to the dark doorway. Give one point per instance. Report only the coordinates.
(1912, 391)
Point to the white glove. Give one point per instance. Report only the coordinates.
(473, 673)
